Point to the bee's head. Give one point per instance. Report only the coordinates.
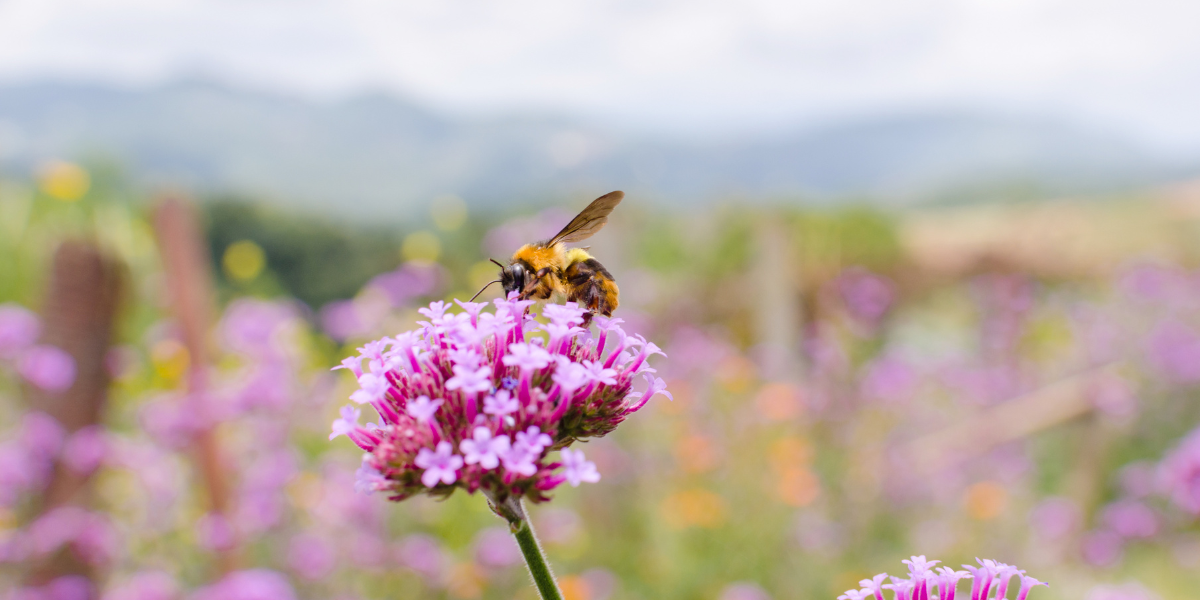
(512, 277)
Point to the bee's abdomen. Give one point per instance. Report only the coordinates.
(592, 286)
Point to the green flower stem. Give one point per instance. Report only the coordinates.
(513, 510)
(538, 567)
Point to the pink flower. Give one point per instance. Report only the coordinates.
(1179, 473)
(254, 584)
(505, 400)
(501, 403)
(145, 585)
(348, 422)
(48, 368)
(19, 329)
(484, 449)
(526, 357)
(372, 388)
(85, 449)
(441, 465)
(577, 469)
(422, 408)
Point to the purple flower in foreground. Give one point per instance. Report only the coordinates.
(501, 404)
(577, 469)
(507, 397)
(422, 408)
(484, 449)
(348, 423)
(440, 465)
(368, 479)
(48, 367)
(923, 576)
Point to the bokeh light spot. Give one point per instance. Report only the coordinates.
(693, 508)
(421, 246)
(244, 261)
(986, 500)
(170, 359)
(449, 212)
(779, 401)
(63, 180)
(798, 486)
(696, 453)
(575, 588)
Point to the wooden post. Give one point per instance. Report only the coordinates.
(78, 315)
(189, 280)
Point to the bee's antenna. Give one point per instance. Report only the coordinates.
(497, 263)
(481, 290)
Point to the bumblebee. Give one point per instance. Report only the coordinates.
(542, 269)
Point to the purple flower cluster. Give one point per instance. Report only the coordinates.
(46, 367)
(478, 400)
(924, 581)
(1179, 473)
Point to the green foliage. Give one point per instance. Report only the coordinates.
(315, 259)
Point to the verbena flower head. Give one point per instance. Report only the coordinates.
(989, 580)
(480, 400)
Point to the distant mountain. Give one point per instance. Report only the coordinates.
(379, 156)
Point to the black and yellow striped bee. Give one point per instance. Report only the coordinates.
(541, 269)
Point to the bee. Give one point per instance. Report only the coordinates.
(542, 269)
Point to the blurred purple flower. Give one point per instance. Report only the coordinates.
(1138, 479)
(889, 379)
(41, 435)
(146, 585)
(1130, 519)
(1102, 548)
(867, 296)
(744, 591)
(97, 540)
(215, 532)
(504, 239)
(48, 367)
(601, 583)
(422, 554)
(173, 421)
(56, 528)
(311, 557)
(410, 280)
(1179, 473)
(1056, 518)
(1174, 350)
(578, 469)
(68, 587)
(85, 449)
(254, 584)
(1128, 591)
(1114, 396)
(19, 329)
(496, 548)
(252, 327)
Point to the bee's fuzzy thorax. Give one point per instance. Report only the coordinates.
(539, 256)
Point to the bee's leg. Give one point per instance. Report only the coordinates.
(533, 283)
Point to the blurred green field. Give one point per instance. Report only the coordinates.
(851, 385)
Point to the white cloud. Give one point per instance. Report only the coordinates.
(691, 65)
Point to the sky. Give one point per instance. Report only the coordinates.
(689, 66)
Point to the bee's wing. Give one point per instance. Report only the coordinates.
(588, 221)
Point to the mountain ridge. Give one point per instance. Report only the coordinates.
(378, 155)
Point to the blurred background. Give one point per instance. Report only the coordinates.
(926, 273)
